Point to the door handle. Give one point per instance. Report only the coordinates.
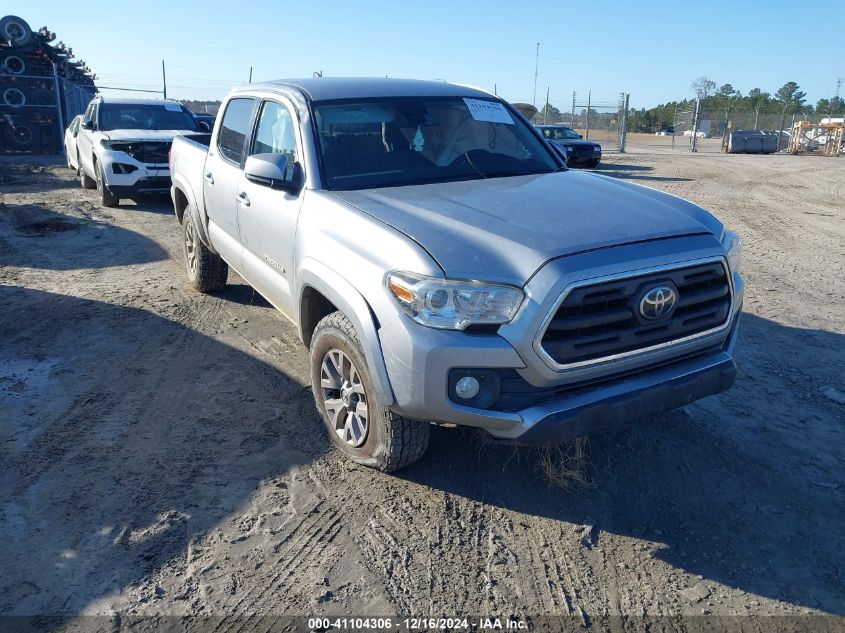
(209, 178)
(243, 198)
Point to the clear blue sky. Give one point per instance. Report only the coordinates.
(651, 49)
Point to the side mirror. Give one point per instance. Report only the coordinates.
(579, 136)
(204, 126)
(272, 170)
(87, 125)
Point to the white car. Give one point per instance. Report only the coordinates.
(70, 142)
(123, 144)
(699, 134)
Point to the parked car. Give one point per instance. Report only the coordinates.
(443, 265)
(122, 145)
(581, 152)
(669, 131)
(698, 134)
(70, 142)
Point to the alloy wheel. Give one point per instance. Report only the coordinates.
(344, 398)
(191, 247)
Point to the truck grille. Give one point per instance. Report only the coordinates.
(603, 319)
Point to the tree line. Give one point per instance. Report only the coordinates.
(758, 109)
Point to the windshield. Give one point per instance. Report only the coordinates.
(558, 133)
(415, 140)
(116, 116)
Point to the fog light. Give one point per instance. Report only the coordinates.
(467, 387)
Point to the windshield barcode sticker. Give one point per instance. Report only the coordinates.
(488, 111)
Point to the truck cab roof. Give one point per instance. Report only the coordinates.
(328, 88)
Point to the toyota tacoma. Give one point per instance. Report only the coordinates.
(444, 266)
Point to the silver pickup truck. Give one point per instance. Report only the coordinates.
(444, 266)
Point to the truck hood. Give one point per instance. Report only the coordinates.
(504, 229)
(164, 136)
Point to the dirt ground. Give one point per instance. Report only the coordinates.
(161, 453)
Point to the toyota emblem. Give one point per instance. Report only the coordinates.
(657, 303)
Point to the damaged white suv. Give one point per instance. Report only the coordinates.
(123, 145)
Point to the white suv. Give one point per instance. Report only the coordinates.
(123, 144)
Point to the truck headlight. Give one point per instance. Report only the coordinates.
(733, 245)
(453, 305)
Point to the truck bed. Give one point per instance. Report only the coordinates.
(187, 163)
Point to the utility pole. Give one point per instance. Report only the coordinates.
(695, 125)
(835, 99)
(587, 124)
(674, 125)
(623, 135)
(546, 107)
(495, 92)
(536, 68)
(250, 74)
(572, 122)
(163, 80)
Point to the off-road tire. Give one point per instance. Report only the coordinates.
(107, 198)
(392, 441)
(86, 181)
(207, 272)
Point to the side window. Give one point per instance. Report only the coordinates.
(234, 128)
(89, 113)
(275, 133)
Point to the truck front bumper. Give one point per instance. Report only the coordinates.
(573, 410)
(644, 395)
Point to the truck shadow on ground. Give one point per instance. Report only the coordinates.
(114, 464)
(49, 236)
(238, 291)
(153, 203)
(633, 172)
(746, 489)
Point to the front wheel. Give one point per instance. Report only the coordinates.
(86, 181)
(357, 422)
(107, 199)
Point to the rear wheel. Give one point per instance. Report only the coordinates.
(207, 271)
(107, 199)
(357, 422)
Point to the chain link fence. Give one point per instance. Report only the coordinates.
(35, 110)
(674, 127)
(598, 120)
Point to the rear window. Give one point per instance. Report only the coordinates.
(234, 128)
(118, 116)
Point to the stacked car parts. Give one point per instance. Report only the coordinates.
(35, 98)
